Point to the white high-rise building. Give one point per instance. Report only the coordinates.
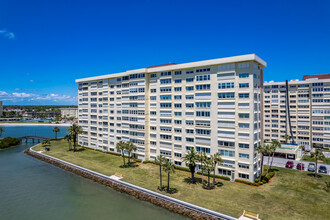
(212, 106)
(308, 102)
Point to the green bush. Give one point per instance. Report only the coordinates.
(248, 183)
(182, 168)
(149, 161)
(9, 142)
(216, 176)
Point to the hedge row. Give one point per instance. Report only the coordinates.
(9, 142)
(257, 181)
(216, 176)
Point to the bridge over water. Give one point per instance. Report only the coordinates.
(33, 138)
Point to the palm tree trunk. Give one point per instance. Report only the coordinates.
(214, 175)
(316, 168)
(74, 143)
(268, 165)
(271, 163)
(129, 158)
(208, 179)
(124, 158)
(168, 182)
(160, 177)
(192, 177)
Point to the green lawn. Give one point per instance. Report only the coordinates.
(291, 194)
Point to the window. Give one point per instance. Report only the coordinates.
(227, 85)
(243, 95)
(203, 114)
(189, 88)
(244, 156)
(177, 97)
(165, 97)
(203, 149)
(203, 77)
(165, 81)
(177, 105)
(190, 80)
(177, 73)
(153, 90)
(243, 115)
(154, 75)
(243, 175)
(243, 75)
(177, 89)
(229, 95)
(244, 85)
(203, 87)
(245, 146)
(165, 89)
(203, 104)
(165, 73)
(227, 153)
(202, 70)
(178, 81)
(189, 96)
(165, 105)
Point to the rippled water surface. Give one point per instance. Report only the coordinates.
(32, 189)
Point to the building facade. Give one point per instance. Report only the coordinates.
(304, 104)
(69, 112)
(212, 106)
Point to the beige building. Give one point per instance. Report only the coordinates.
(69, 112)
(308, 110)
(212, 106)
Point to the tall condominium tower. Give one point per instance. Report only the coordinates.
(212, 106)
(300, 109)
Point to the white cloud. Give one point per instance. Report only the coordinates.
(37, 98)
(21, 95)
(7, 34)
(31, 80)
(2, 93)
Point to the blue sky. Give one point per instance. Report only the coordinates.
(46, 45)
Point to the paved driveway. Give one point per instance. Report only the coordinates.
(280, 162)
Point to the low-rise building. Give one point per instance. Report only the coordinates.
(69, 112)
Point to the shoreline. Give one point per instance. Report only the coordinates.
(34, 124)
(172, 204)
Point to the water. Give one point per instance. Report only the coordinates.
(32, 189)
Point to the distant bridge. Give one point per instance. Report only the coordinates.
(37, 138)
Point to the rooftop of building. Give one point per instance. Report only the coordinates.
(306, 79)
(173, 66)
(319, 76)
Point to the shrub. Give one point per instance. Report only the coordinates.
(8, 142)
(182, 168)
(216, 176)
(149, 161)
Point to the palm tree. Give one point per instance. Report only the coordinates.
(268, 150)
(130, 147)
(169, 168)
(69, 139)
(121, 145)
(1, 131)
(201, 158)
(287, 137)
(317, 155)
(74, 131)
(191, 158)
(209, 167)
(160, 160)
(56, 129)
(216, 158)
(274, 145)
(45, 143)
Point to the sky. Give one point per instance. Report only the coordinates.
(46, 45)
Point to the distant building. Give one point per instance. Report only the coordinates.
(69, 112)
(300, 109)
(1, 109)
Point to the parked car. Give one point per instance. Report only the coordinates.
(289, 164)
(300, 166)
(311, 167)
(323, 169)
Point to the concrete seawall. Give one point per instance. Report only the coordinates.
(158, 199)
